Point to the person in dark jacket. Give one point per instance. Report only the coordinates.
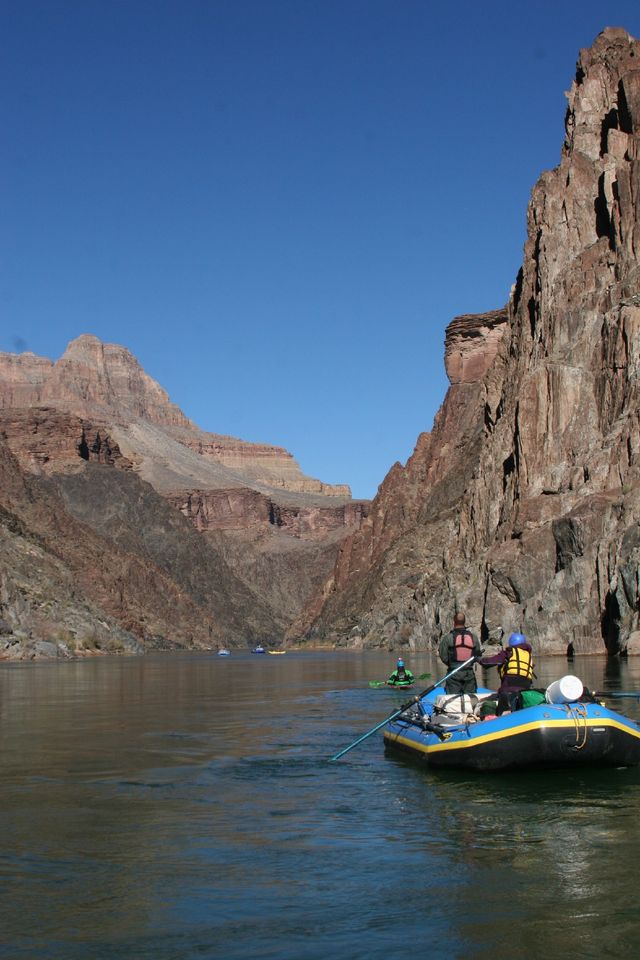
(459, 645)
(401, 675)
(515, 666)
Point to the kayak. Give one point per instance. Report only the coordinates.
(377, 684)
(549, 735)
(276, 653)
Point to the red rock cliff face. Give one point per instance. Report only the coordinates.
(523, 504)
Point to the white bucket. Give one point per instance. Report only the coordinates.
(565, 690)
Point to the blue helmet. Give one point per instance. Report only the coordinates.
(400, 662)
(516, 639)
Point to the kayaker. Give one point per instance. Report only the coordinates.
(459, 645)
(515, 666)
(401, 674)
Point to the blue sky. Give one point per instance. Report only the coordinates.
(278, 205)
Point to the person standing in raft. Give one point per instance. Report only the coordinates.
(515, 666)
(400, 674)
(459, 645)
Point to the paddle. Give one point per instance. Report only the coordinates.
(403, 708)
(385, 683)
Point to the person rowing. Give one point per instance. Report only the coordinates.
(459, 646)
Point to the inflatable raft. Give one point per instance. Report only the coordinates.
(568, 734)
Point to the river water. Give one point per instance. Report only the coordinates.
(180, 806)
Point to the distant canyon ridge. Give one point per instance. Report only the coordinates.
(123, 526)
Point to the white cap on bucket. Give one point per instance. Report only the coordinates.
(571, 687)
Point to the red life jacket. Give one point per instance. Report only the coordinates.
(462, 646)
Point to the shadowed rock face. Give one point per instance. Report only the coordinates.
(521, 506)
(45, 440)
(123, 571)
(284, 551)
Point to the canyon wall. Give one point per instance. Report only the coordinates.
(522, 504)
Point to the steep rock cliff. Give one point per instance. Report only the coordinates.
(522, 505)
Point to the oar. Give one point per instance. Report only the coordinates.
(404, 707)
(616, 693)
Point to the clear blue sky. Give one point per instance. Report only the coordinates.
(278, 205)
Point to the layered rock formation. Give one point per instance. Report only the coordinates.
(261, 463)
(229, 537)
(91, 378)
(248, 510)
(522, 504)
(104, 382)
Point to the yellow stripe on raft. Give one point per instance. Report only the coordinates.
(512, 732)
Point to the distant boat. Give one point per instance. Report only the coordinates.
(223, 653)
(402, 684)
(258, 649)
(275, 653)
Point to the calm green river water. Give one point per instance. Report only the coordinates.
(182, 806)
